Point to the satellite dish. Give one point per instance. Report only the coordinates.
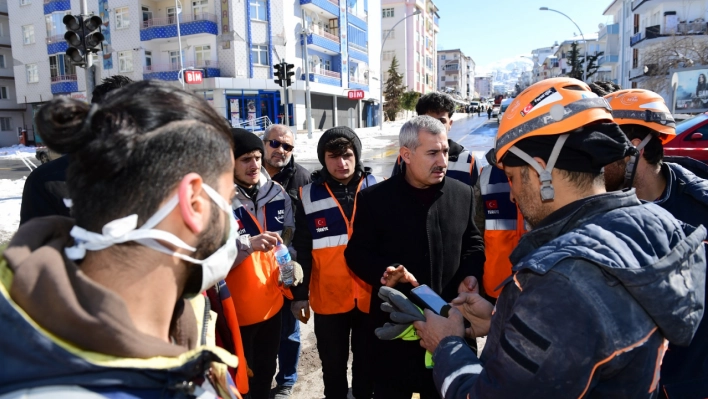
(600, 26)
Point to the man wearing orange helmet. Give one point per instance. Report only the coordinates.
(647, 122)
(599, 284)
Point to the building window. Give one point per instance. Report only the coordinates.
(5, 124)
(327, 65)
(259, 54)
(32, 73)
(258, 10)
(28, 34)
(125, 61)
(2, 29)
(442, 78)
(148, 60)
(2, 61)
(174, 60)
(147, 15)
(387, 12)
(122, 17)
(200, 8)
(25, 2)
(202, 54)
(442, 57)
(53, 69)
(391, 34)
(171, 13)
(3, 93)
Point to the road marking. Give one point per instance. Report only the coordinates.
(386, 154)
(5, 168)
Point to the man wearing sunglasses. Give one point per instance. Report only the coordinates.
(280, 165)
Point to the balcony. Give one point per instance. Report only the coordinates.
(636, 38)
(171, 71)
(609, 30)
(358, 20)
(190, 24)
(359, 83)
(51, 6)
(62, 84)
(331, 7)
(642, 71)
(326, 77)
(324, 41)
(358, 52)
(56, 44)
(608, 60)
(693, 28)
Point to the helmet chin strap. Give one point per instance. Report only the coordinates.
(631, 170)
(547, 191)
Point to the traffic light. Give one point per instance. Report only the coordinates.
(288, 74)
(279, 74)
(83, 35)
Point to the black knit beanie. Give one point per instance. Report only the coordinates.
(586, 150)
(245, 142)
(335, 133)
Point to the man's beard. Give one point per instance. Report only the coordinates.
(276, 163)
(210, 240)
(614, 175)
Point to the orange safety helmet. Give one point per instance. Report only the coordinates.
(645, 108)
(550, 107)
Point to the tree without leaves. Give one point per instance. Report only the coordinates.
(677, 52)
(393, 90)
(576, 66)
(592, 65)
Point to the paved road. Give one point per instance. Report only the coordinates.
(475, 133)
(14, 169)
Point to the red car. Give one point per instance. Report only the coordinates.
(691, 139)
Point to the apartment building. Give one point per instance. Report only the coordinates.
(13, 116)
(456, 73)
(412, 39)
(539, 56)
(235, 43)
(483, 86)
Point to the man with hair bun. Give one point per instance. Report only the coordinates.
(100, 305)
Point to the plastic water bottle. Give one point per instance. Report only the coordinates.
(285, 263)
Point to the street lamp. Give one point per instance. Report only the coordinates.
(585, 59)
(381, 81)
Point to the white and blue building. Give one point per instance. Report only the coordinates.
(235, 42)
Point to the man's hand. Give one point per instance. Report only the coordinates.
(435, 328)
(301, 310)
(477, 310)
(266, 241)
(469, 284)
(394, 275)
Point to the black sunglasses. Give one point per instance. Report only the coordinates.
(278, 144)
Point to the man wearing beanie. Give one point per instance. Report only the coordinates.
(264, 214)
(340, 300)
(415, 228)
(600, 283)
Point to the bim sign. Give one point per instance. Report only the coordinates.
(355, 94)
(193, 77)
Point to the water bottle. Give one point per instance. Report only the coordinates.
(285, 263)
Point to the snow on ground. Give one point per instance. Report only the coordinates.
(10, 201)
(11, 152)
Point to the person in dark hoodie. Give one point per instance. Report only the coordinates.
(600, 283)
(282, 168)
(99, 304)
(684, 371)
(415, 225)
(339, 299)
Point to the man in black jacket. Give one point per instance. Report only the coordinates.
(415, 228)
(282, 168)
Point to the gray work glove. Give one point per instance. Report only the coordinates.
(297, 276)
(402, 312)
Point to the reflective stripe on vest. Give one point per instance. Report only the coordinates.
(254, 282)
(333, 287)
(464, 169)
(501, 235)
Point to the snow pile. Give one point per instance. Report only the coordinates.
(10, 201)
(11, 152)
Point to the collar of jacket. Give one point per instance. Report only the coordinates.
(680, 180)
(596, 205)
(404, 185)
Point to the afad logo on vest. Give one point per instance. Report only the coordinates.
(241, 228)
(321, 225)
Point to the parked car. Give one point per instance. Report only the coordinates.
(691, 139)
(44, 154)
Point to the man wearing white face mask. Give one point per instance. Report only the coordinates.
(97, 303)
(264, 214)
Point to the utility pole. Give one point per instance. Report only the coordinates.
(180, 74)
(90, 75)
(308, 100)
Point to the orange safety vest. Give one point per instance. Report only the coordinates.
(503, 227)
(254, 282)
(333, 287)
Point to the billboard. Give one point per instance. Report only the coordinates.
(692, 90)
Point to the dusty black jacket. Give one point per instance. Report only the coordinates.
(439, 244)
(292, 177)
(45, 190)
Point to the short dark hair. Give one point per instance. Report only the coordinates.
(654, 150)
(107, 85)
(603, 88)
(130, 152)
(435, 102)
(338, 146)
(581, 180)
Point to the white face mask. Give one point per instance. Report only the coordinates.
(214, 268)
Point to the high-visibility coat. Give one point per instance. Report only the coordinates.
(464, 169)
(333, 287)
(503, 227)
(253, 283)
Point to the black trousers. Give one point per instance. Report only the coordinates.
(261, 342)
(333, 333)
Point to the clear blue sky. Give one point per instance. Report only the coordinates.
(491, 30)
